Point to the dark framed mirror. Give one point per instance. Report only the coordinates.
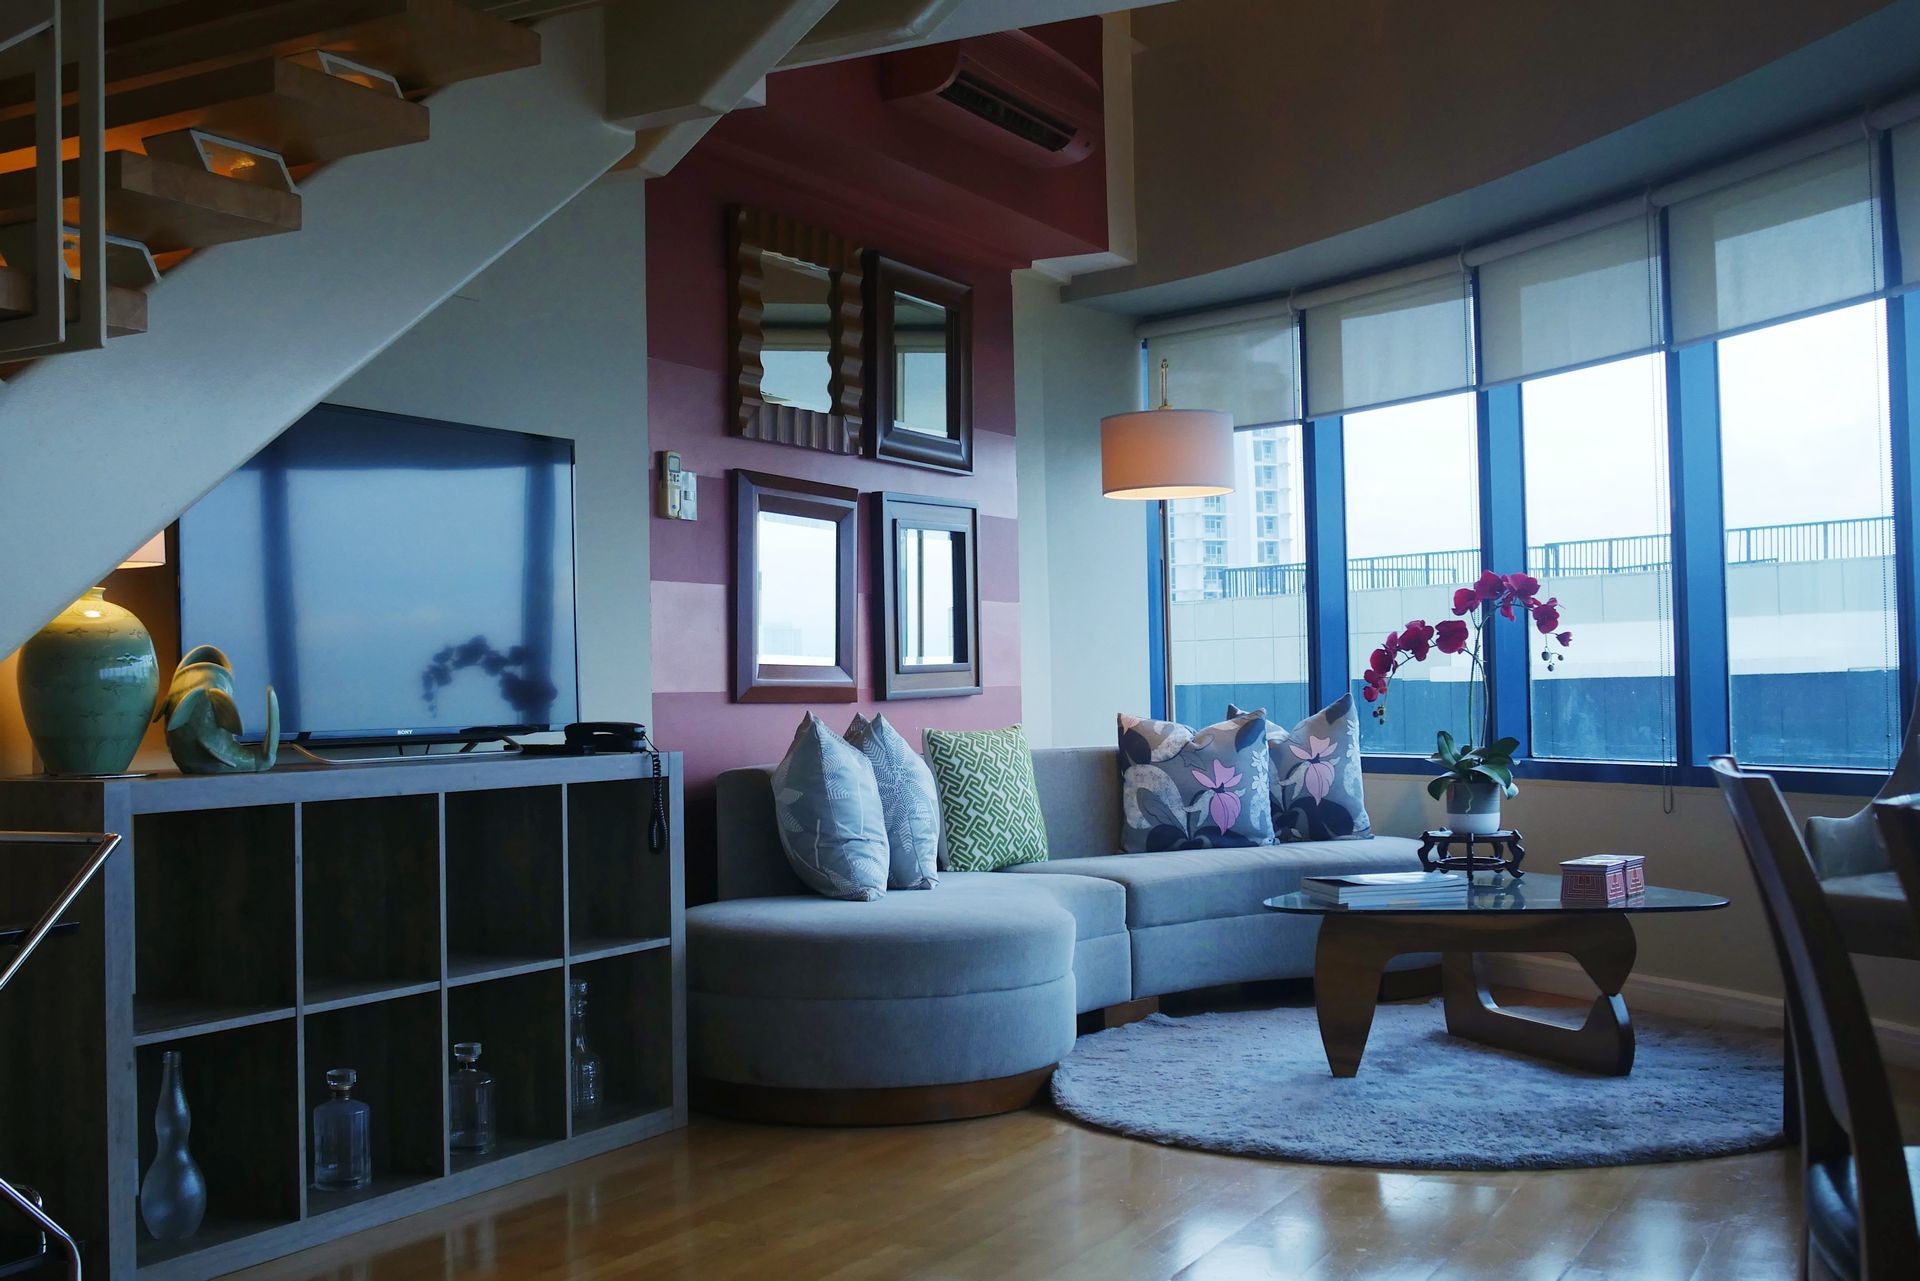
(920, 366)
(928, 623)
(795, 583)
(796, 299)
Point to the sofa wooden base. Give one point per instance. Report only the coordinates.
(901, 1105)
(1117, 1015)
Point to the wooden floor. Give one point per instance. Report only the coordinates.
(1033, 1195)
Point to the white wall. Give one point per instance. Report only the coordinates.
(552, 339)
(1083, 567)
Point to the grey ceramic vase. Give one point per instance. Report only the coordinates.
(173, 1195)
(87, 685)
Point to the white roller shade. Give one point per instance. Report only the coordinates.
(1793, 240)
(1249, 369)
(1392, 344)
(1906, 199)
(1574, 301)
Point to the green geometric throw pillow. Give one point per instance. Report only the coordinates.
(989, 805)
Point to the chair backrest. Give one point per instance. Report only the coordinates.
(1079, 791)
(1847, 1102)
(1852, 846)
(1899, 821)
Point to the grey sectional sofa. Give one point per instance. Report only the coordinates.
(958, 1000)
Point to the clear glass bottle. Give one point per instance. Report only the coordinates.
(469, 1101)
(342, 1147)
(586, 1064)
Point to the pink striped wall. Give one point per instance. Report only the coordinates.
(688, 411)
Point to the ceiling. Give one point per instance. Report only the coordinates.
(1870, 61)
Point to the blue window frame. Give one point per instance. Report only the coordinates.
(1703, 687)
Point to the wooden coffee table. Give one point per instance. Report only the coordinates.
(1499, 915)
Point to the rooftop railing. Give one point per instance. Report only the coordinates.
(1807, 541)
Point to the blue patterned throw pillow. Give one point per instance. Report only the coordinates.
(830, 819)
(1188, 789)
(1315, 787)
(909, 803)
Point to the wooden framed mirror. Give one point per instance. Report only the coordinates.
(795, 580)
(928, 625)
(796, 302)
(920, 366)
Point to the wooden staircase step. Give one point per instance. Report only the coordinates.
(164, 206)
(126, 308)
(307, 116)
(424, 43)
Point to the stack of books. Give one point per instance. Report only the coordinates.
(1386, 889)
(1603, 880)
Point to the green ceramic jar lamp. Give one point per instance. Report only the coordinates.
(88, 681)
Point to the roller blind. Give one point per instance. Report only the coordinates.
(1397, 343)
(1247, 368)
(1789, 241)
(1906, 199)
(1574, 301)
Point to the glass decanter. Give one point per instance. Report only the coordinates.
(585, 1090)
(469, 1101)
(342, 1150)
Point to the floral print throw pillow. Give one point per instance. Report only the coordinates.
(1188, 789)
(1314, 782)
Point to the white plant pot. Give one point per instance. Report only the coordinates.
(1473, 809)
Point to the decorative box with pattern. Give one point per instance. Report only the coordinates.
(1603, 880)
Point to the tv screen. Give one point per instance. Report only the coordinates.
(390, 577)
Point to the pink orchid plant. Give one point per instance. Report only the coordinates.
(1509, 595)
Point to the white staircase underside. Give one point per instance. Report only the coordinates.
(98, 452)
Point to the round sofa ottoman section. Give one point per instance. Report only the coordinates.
(924, 1005)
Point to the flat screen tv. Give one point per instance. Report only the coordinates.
(392, 578)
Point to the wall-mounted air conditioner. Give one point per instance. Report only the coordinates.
(1009, 92)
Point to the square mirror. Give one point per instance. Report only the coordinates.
(920, 372)
(795, 582)
(919, 366)
(928, 627)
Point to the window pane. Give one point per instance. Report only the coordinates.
(1812, 645)
(1597, 534)
(1413, 536)
(1237, 584)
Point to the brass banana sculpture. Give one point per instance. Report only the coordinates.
(203, 721)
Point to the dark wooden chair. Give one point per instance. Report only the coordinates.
(1859, 1181)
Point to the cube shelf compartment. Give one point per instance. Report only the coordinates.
(370, 897)
(273, 926)
(521, 1024)
(505, 878)
(616, 885)
(394, 1047)
(242, 1088)
(629, 1026)
(213, 921)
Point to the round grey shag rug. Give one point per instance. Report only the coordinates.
(1255, 1083)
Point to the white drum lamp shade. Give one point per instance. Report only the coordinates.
(1166, 453)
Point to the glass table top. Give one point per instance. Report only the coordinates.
(1535, 892)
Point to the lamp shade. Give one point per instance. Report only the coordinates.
(1166, 453)
(149, 555)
